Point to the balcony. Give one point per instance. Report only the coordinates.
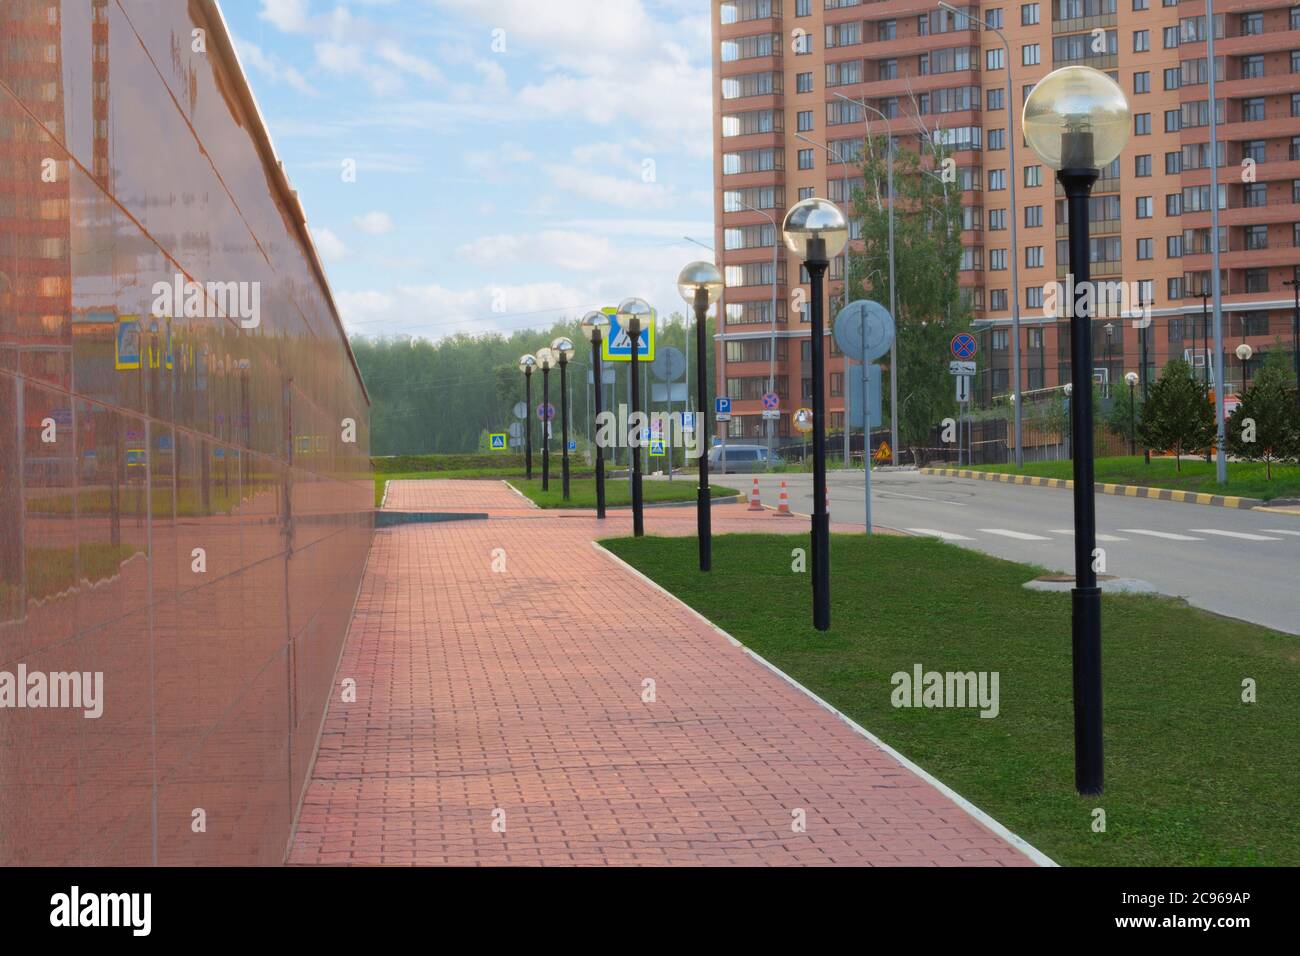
(1098, 227)
(1085, 24)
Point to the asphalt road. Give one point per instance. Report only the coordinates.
(1245, 564)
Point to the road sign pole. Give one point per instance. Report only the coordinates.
(703, 508)
(866, 442)
(816, 264)
(638, 522)
(597, 388)
(564, 424)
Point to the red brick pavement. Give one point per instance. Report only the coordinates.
(516, 697)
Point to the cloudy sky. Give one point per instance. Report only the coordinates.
(516, 160)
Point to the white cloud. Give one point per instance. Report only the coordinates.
(291, 16)
(329, 245)
(269, 66)
(374, 223)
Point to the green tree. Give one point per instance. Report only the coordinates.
(1125, 409)
(1266, 425)
(1176, 415)
(927, 243)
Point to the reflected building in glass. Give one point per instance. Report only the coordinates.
(185, 497)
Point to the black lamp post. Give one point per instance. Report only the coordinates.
(527, 363)
(594, 327)
(1132, 380)
(1077, 121)
(700, 284)
(545, 361)
(563, 350)
(634, 315)
(1142, 345)
(816, 231)
(1295, 333)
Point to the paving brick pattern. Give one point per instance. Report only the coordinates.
(515, 699)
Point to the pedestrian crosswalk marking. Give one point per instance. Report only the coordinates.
(1234, 534)
(1100, 536)
(1169, 535)
(945, 535)
(1018, 535)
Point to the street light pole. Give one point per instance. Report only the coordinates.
(816, 230)
(771, 359)
(594, 326)
(700, 284)
(1132, 379)
(1015, 213)
(527, 363)
(545, 359)
(1077, 120)
(893, 292)
(631, 313)
(563, 348)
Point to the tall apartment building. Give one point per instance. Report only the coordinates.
(779, 63)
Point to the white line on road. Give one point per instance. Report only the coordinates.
(1018, 535)
(1282, 531)
(945, 535)
(899, 494)
(1100, 537)
(1235, 534)
(1169, 535)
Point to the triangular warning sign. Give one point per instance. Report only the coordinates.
(883, 453)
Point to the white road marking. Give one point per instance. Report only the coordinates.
(945, 535)
(1235, 534)
(1018, 535)
(1168, 535)
(1100, 537)
(899, 494)
(1282, 531)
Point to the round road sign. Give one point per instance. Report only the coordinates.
(771, 401)
(864, 330)
(669, 364)
(964, 346)
(545, 413)
(521, 411)
(803, 420)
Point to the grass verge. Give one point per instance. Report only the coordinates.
(1194, 776)
(582, 492)
(1245, 478)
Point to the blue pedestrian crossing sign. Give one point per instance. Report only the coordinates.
(617, 345)
(497, 442)
(656, 449)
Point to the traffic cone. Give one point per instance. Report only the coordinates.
(754, 503)
(784, 507)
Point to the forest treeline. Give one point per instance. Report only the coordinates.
(440, 397)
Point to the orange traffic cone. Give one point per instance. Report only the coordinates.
(754, 503)
(784, 507)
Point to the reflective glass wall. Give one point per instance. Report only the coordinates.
(185, 503)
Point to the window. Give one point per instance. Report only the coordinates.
(1144, 207)
(1173, 78)
(1295, 61)
(805, 120)
(1142, 81)
(806, 192)
(1295, 190)
(1139, 4)
(803, 8)
(997, 99)
(1295, 104)
(1254, 323)
(998, 300)
(1254, 195)
(1256, 237)
(1252, 109)
(805, 159)
(1146, 249)
(997, 139)
(1173, 120)
(999, 340)
(1295, 148)
(887, 30)
(1252, 67)
(1142, 124)
(803, 83)
(1256, 280)
(997, 260)
(1030, 54)
(1295, 18)
(994, 19)
(1174, 247)
(1173, 163)
(1033, 257)
(1142, 165)
(997, 219)
(1170, 37)
(995, 59)
(1252, 24)
(1028, 14)
(1173, 291)
(803, 44)
(1033, 175)
(1141, 41)
(997, 179)
(1174, 204)
(1033, 216)
(1253, 149)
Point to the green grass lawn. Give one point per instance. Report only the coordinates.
(1193, 775)
(1245, 478)
(383, 478)
(582, 491)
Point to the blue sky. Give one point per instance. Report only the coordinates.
(516, 160)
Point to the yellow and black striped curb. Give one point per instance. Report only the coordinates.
(1128, 491)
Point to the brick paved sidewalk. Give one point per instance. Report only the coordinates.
(486, 698)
